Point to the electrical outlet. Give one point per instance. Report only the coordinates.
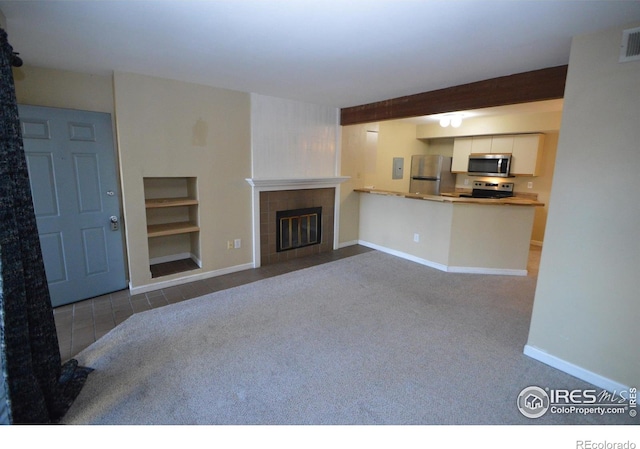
(416, 237)
(237, 243)
(230, 244)
(530, 185)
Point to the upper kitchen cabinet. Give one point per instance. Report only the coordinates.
(502, 144)
(461, 152)
(527, 154)
(526, 151)
(481, 144)
(464, 146)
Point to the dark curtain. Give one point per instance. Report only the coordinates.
(36, 387)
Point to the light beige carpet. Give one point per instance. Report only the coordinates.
(370, 339)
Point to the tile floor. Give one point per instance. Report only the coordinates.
(82, 323)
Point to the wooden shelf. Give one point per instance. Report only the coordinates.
(171, 209)
(160, 230)
(169, 202)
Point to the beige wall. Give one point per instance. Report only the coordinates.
(395, 139)
(506, 229)
(356, 142)
(500, 124)
(390, 222)
(63, 89)
(586, 310)
(447, 233)
(170, 128)
(367, 153)
(542, 185)
(157, 135)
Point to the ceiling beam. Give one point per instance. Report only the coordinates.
(537, 85)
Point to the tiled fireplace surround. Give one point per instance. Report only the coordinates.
(280, 200)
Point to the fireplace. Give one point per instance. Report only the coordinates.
(271, 195)
(295, 223)
(298, 228)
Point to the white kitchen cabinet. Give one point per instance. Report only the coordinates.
(464, 146)
(481, 144)
(461, 152)
(502, 144)
(525, 149)
(526, 156)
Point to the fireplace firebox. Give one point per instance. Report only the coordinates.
(274, 201)
(298, 228)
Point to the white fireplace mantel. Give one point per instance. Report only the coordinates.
(265, 184)
(271, 184)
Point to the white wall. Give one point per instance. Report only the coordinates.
(291, 140)
(587, 307)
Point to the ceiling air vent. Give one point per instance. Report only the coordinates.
(630, 48)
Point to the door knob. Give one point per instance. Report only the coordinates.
(114, 223)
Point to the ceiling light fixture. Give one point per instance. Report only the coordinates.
(455, 120)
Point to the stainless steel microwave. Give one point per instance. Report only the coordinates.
(489, 164)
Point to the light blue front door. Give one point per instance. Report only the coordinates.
(72, 171)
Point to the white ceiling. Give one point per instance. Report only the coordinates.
(335, 52)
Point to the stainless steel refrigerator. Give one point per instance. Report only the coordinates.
(431, 175)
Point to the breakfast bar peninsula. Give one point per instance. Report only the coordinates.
(449, 232)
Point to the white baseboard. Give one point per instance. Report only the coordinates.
(196, 260)
(493, 271)
(186, 279)
(574, 370)
(403, 255)
(345, 244)
(442, 267)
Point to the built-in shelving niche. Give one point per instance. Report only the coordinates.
(173, 229)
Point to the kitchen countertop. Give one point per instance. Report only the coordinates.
(456, 198)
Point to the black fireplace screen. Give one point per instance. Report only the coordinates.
(298, 228)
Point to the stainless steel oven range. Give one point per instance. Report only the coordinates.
(487, 189)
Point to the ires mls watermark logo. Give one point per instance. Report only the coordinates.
(534, 402)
